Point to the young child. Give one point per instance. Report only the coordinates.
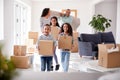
(66, 30)
(46, 61)
(54, 23)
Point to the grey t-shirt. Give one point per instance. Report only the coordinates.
(44, 21)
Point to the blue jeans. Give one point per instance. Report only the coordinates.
(46, 62)
(65, 56)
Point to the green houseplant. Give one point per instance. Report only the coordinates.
(100, 23)
(7, 68)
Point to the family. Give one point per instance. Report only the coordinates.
(47, 21)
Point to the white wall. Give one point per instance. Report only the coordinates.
(9, 26)
(1, 19)
(28, 2)
(118, 22)
(109, 10)
(85, 11)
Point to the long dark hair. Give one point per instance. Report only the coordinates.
(45, 12)
(70, 31)
(54, 17)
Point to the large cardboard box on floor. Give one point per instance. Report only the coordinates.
(55, 32)
(34, 36)
(65, 42)
(19, 50)
(21, 61)
(108, 57)
(46, 47)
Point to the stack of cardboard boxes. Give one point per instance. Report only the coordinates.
(31, 42)
(34, 36)
(19, 58)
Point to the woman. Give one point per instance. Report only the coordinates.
(45, 17)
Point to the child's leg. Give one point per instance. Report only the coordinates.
(43, 63)
(66, 62)
(56, 60)
(62, 59)
(49, 63)
(55, 57)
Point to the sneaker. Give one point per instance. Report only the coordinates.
(57, 67)
(51, 68)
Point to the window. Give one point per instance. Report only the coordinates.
(21, 27)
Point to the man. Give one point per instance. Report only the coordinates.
(66, 18)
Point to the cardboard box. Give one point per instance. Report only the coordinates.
(21, 61)
(19, 50)
(31, 49)
(55, 32)
(65, 42)
(30, 46)
(75, 47)
(34, 36)
(108, 60)
(46, 47)
(35, 40)
(75, 35)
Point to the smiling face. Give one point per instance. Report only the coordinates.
(65, 28)
(67, 13)
(46, 30)
(53, 22)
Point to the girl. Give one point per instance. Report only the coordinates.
(66, 29)
(54, 23)
(46, 16)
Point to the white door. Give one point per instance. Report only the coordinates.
(20, 27)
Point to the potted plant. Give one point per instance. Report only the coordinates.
(100, 23)
(7, 68)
